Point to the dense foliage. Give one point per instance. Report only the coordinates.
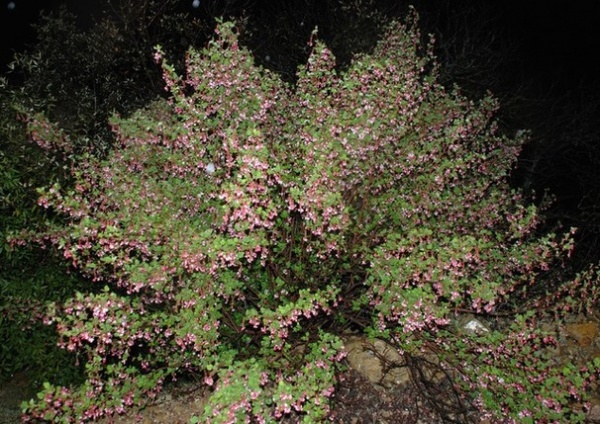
(241, 227)
(76, 78)
(29, 276)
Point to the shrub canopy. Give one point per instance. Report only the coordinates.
(242, 226)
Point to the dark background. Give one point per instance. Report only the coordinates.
(557, 41)
(16, 21)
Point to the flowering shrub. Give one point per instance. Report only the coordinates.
(243, 224)
(515, 375)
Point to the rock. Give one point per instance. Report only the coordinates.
(469, 324)
(593, 416)
(377, 361)
(583, 333)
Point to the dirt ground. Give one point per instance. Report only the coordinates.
(357, 401)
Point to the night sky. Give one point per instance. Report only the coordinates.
(556, 40)
(16, 17)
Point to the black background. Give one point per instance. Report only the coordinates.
(555, 40)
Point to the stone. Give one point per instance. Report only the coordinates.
(583, 333)
(377, 361)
